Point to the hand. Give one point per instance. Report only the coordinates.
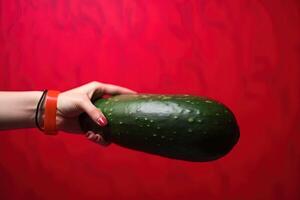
(72, 103)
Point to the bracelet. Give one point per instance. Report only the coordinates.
(50, 112)
(37, 110)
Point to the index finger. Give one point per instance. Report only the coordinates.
(114, 89)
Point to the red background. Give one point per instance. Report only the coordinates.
(243, 53)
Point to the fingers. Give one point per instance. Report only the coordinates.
(102, 88)
(94, 113)
(97, 138)
(114, 89)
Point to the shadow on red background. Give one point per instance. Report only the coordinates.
(243, 53)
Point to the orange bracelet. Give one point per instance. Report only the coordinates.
(50, 112)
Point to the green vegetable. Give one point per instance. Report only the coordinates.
(182, 127)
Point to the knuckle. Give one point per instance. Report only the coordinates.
(95, 112)
(84, 98)
(96, 83)
(81, 101)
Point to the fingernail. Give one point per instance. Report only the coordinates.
(102, 121)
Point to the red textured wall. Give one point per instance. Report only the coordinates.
(243, 53)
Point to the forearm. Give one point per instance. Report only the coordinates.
(17, 109)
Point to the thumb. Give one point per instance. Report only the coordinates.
(94, 113)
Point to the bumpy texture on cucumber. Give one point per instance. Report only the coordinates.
(181, 127)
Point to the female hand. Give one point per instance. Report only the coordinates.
(73, 102)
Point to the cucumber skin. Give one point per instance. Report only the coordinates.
(183, 127)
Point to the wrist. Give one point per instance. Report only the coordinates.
(48, 114)
(59, 121)
(28, 105)
(58, 118)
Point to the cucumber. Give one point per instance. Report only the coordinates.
(183, 127)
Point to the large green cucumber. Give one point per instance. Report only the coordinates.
(182, 127)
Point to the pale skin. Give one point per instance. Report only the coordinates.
(17, 109)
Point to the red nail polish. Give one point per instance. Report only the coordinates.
(102, 121)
